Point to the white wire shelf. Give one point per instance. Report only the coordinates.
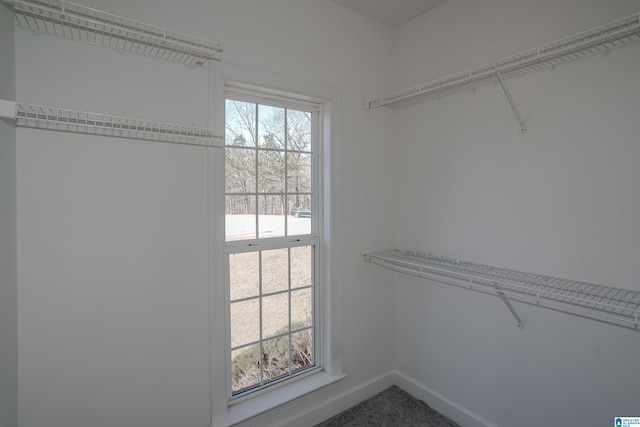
(603, 303)
(599, 40)
(81, 23)
(59, 119)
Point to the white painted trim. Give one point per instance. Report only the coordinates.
(440, 403)
(331, 131)
(279, 84)
(317, 407)
(259, 410)
(330, 99)
(217, 298)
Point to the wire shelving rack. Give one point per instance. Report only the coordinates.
(599, 40)
(60, 119)
(603, 303)
(77, 22)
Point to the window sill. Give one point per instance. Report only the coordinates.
(264, 402)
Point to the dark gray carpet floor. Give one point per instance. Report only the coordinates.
(393, 407)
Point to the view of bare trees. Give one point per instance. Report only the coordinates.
(268, 158)
(268, 170)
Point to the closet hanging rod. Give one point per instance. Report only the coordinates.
(60, 119)
(77, 22)
(607, 304)
(599, 40)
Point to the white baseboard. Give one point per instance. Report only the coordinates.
(317, 407)
(440, 403)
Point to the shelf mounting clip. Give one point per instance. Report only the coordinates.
(513, 311)
(523, 127)
(7, 109)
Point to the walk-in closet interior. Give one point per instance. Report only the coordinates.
(474, 210)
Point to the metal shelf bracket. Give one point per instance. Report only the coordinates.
(505, 89)
(513, 311)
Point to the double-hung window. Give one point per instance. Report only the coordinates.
(273, 239)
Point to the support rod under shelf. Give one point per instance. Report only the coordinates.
(513, 311)
(505, 89)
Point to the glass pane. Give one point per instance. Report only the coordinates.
(298, 173)
(298, 130)
(301, 262)
(270, 171)
(240, 218)
(299, 219)
(245, 368)
(271, 127)
(245, 322)
(302, 350)
(240, 170)
(276, 358)
(275, 270)
(240, 123)
(244, 275)
(271, 216)
(275, 315)
(301, 308)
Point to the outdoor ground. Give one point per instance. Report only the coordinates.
(279, 309)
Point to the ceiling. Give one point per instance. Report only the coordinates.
(392, 13)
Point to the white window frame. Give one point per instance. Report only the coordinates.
(292, 392)
(259, 244)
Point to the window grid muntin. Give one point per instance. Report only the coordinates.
(259, 244)
(283, 334)
(261, 327)
(270, 294)
(286, 210)
(251, 148)
(290, 361)
(257, 148)
(262, 339)
(257, 205)
(304, 193)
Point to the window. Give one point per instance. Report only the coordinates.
(273, 239)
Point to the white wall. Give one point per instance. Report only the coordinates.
(112, 251)
(112, 237)
(8, 249)
(561, 199)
